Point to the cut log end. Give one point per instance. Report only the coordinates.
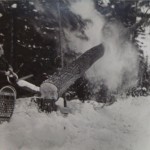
(49, 91)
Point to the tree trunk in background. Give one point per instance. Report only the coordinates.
(12, 40)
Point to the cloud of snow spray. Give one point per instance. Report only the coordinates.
(119, 62)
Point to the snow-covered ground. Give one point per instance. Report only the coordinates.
(125, 125)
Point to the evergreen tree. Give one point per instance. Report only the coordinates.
(33, 31)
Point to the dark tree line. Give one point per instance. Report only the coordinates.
(32, 33)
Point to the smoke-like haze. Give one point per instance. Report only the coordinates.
(93, 29)
(119, 63)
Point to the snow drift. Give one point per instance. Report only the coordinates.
(121, 126)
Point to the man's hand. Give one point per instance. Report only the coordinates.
(7, 73)
(11, 69)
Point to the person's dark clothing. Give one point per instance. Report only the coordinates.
(4, 66)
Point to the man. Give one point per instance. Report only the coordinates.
(5, 68)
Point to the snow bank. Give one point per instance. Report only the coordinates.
(125, 125)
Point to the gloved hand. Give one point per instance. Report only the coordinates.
(11, 69)
(7, 73)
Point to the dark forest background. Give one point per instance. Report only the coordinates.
(32, 32)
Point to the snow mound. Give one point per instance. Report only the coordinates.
(125, 125)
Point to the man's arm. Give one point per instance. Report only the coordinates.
(2, 72)
(7, 68)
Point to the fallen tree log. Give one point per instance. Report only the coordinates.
(69, 74)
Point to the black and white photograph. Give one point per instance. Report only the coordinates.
(74, 74)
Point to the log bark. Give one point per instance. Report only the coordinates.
(69, 74)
